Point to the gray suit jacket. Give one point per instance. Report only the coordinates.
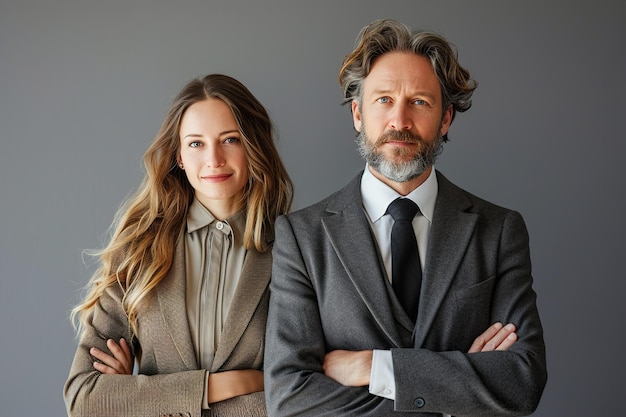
(169, 380)
(329, 291)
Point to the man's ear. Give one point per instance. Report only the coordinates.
(446, 121)
(356, 116)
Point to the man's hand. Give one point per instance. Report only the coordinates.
(119, 362)
(353, 368)
(496, 337)
(348, 368)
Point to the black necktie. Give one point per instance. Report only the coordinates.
(406, 271)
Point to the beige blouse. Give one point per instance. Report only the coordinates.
(214, 255)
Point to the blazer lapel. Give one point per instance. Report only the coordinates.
(450, 234)
(351, 237)
(171, 297)
(254, 280)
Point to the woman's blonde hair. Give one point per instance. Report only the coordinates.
(147, 226)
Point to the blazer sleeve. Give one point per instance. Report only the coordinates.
(87, 392)
(295, 384)
(491, 383)
(435, 377)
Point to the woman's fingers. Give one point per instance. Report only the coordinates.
(119, 361)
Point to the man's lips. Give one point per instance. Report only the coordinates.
(399, 143)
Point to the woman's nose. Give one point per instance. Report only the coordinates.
(214, 157)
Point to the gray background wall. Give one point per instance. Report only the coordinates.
(84, 86)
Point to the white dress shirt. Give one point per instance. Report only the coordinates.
(376, 198)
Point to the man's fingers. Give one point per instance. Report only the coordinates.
(501, 341)
(508, 341)
(496, 337)
(485, 337)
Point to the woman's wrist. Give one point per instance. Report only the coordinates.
(230, 384)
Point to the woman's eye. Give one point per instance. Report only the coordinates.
(231, 140)
(195, 144)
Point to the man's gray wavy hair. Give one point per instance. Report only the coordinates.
(383, 36)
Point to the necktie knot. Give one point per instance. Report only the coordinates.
(402, 209)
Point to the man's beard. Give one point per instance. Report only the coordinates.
(401, 171)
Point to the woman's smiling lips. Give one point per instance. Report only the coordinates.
(216, 178)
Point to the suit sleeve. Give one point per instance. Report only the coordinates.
(491, 383)
(294, 381)
(87, 392)
(437, 377)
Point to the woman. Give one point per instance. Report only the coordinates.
(182, 287)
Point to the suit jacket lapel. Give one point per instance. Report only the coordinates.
(450, 234)
(350, 235)
(254, 280)
(171, 297)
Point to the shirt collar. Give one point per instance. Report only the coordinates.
(377, 195)
(199, 216)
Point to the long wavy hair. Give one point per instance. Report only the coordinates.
(147, 226)
(383, 36)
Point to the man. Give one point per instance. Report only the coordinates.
(341, 338)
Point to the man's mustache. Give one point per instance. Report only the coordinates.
(399, 136)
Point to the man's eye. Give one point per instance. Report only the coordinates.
(383, 100)
(420, 102)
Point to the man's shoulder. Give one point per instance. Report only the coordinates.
(342, 199)
(474, 203)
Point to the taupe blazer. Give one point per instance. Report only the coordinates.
(169, 381)
(329, 291)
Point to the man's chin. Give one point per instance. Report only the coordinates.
(398, 174)
(399, 155)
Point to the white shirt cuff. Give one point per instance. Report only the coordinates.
(382, 381)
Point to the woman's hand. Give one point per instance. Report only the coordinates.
(118, 362)
(496, 337)
(229, 384)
